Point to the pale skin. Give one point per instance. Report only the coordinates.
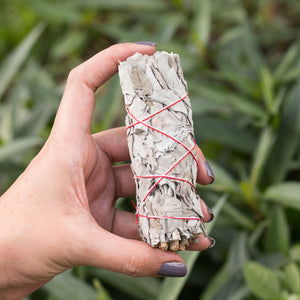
(61, 211)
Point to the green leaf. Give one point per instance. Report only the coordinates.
(244, 85)
(18, 146)
(277, 237)
(36, 121)
(102, 294)
(30, 104)
(6, 122)
(68, 44)
(111, 104)
(221, 95)
(224, 132)
(267, 88)
(202, 23)
(56, 12)
(137, 288)
(286, 194)
(172, 287)
(262, 151)
(11, 64)
(65, 286)
(295, 252)
(216, 283)
(288, 134)
(262, 282)
(228, 281)
(240, 294)
(289, 67)
(291, 297)
(256, 234)
(239, 218)
(292, 277)
(224, 181)
(272, 260)
(239, 52)
(130, 5)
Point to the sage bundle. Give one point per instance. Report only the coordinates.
(162, 149)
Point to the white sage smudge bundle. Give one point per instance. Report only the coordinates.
(162, 150)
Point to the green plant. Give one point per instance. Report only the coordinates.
(241, 60)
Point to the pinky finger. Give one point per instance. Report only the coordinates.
(202, 243)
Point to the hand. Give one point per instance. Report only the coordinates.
(61, 211)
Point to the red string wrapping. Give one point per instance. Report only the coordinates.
(189, 152)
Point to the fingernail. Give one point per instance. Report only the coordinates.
(209, 171)
(146, 43)
(173, 269)
(212, 216)
(212, 242)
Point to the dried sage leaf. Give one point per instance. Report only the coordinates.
(162, 150)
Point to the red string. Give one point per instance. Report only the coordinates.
(170, 169)
(136, 215)
(159, 111)
(169, 217)
(166, 176)
(162, 132)
(189, 151)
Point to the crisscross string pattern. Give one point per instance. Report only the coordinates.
(189, 151)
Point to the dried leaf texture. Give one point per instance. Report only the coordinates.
(161, 145)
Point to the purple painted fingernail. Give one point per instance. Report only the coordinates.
(146, 43)
(212, 241)
(212, 216)
(173, 269)
(209, 171)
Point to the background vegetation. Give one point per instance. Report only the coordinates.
(241, 60)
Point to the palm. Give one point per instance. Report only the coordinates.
(103, 181)
(100, 188)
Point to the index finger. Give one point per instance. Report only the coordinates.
(77, 105)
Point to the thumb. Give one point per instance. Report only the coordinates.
(77, 105)
(131, 257)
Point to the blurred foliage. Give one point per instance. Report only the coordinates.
(241, 60)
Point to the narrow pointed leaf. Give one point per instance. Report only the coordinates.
(286, 194)
(172, 287)
(65, 286)
(292, 276)
(287, 137)
(137, 288)
(18, 146)
(13, 61)
(262, 282)
(277, 237)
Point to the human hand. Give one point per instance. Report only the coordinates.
(61, 211)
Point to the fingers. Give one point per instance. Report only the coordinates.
(125, 225)
(208, 214)
(77, 105)
(205, 174)
(125, 179)
(130, 229)
(126, 188)
(114, 143)
(201, 244)
(125, 185)
(136, 258)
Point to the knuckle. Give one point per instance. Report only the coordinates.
(74, 75)
(134, 265)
